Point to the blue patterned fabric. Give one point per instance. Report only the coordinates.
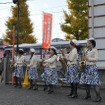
(72, 74)
(33, 74)
(50, 76)
(90, 76)
(18, 72)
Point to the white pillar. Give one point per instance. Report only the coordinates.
(92, 12)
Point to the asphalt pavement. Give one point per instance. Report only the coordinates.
(23, 96)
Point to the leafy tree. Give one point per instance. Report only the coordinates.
(69, 37)
(25, 27)
(76, 20)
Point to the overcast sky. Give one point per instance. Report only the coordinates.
(36, 7)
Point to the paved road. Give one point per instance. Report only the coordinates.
(16, 96)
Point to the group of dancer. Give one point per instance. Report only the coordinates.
(89, 77)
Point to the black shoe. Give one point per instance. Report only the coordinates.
(70, 94)
(87, 97)
(45, 88)
(30, 87)
(98, 100)
(74, 96)
(15, 86)
(50, 91)
(35, 88)
(20, 86)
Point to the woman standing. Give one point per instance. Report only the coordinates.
(50, 73)
(91, 76)
(18, 72)
(72, 75)
(32, 73)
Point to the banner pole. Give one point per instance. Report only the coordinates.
(13, 51)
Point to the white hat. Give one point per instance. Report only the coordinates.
(91, 39)
(32, 50)
(75, 42)
(52, 47)
(21, 50)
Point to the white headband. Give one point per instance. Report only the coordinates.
(75, 42)
(52, 47)
(21, 50)
(91, 39)
(32, 50)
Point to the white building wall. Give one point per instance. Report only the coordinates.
(97, 28)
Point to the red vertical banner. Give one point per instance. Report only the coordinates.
(47, 30)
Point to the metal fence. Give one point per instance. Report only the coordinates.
(7, 71)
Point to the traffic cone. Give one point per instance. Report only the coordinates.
(26, 81)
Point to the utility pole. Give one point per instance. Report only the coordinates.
(18, 22)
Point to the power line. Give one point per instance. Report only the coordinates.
(53, 24)
(6, 3)
(49, 8)
(12, 2)
(57, 33)
(35, 10)
(50, 12)
(44, 9)
(32, 0)
(35, 14)
(3, 17)
(54, 12)
(40, 9)
(4, 8)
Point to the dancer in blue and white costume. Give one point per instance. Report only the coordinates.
(91, 76)
(18, 72)
(72, 75)
(49, 75)
(32, 73)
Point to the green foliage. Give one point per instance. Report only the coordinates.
(26, 26)
(69, 37)
(76, 19)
